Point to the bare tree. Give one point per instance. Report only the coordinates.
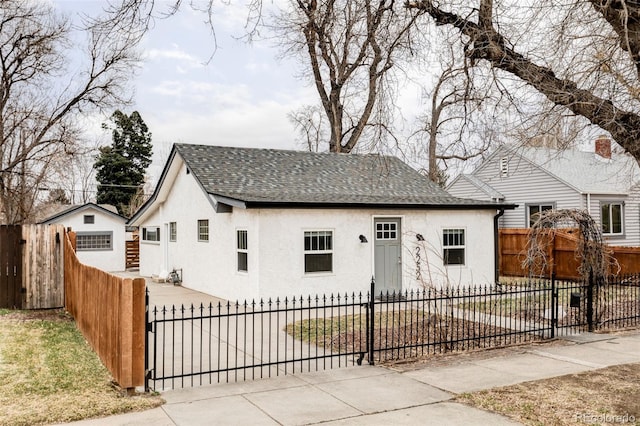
(350, 48)
(41, 93)
(73, 172)
(582, 55)
(309, 121)
(453, 128)
(141, 14)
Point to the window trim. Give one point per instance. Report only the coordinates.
(145, 234)
(527, 206)
(242, 250)
(94, 234)
(462, 246)
(173, 232)
(622, 216)
(311, 251)
(89, 219)
(202, 237)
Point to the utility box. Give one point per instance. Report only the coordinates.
(574, 302)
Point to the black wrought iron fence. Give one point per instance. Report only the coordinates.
(620, 307)
(591, 305)
(195, 345)
(434, 321)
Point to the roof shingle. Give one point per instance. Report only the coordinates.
(297, 177)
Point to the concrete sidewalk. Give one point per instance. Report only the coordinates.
(375, 395)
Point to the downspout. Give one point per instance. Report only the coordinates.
(496, 249)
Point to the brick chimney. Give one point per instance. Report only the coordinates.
(603, 147)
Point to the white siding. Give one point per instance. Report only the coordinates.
(632, 218)
(275, 247)
(524, 184)
(631, 214)
(462, 188)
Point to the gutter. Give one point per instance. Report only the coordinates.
(496, 248)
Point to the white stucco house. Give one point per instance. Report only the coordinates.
(246, 223)
(601, 181)
(100, 232)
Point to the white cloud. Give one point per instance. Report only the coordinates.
(258, 67)
(179, 59)
(228, 118)
(196, 96)
(262, 125)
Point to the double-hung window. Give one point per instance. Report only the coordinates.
(318, 251)
(173, 231)
(242, 246)
(453, 244)
(611, 216)
(534, 210)
(203, 230)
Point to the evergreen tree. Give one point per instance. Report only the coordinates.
(120, 168)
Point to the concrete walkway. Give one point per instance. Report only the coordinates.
(376, 395)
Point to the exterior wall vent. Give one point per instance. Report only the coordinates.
(504, 167)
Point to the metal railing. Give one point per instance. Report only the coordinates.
(195, 345)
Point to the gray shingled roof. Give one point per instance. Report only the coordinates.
(63, 210)
(297, 177)
(586, 171)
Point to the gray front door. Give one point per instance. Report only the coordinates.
(388, 255)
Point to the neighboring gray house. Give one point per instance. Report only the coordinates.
(605, 184)
(100, 232)
(246, 223)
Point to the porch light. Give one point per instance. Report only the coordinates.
(363, 239)
(419, 237)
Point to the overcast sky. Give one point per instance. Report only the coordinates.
(241, 97)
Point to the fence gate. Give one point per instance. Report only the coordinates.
(11, 266)
(132, 253)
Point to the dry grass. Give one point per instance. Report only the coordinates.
(49, 374)
(606, 396)
(403, 334)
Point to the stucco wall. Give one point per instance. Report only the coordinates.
(107, 260)
(275, 247)
(282, 259)
(206, 266)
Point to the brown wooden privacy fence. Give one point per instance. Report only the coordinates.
(110, 313)
(132, 253)
(561, 254)
(31, 266)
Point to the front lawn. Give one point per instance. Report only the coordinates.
(605, 396)
(49, 374)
